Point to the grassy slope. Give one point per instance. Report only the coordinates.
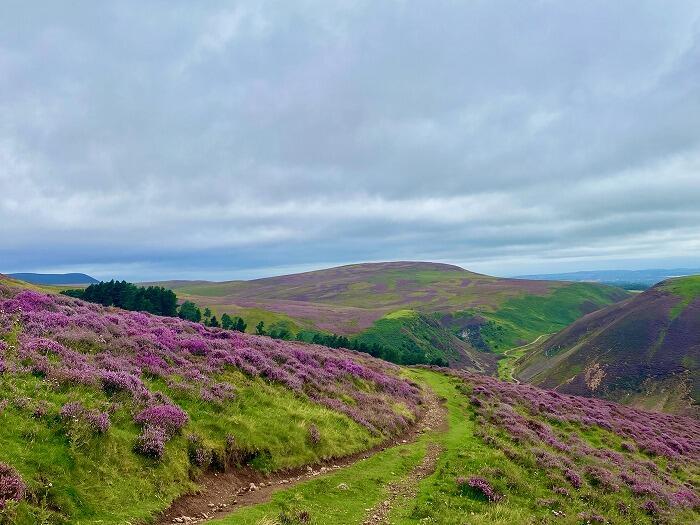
(688, 288)
(413, 333)
(525, 318)
(529, 498)
(263, 417)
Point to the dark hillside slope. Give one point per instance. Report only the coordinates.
(643, 351)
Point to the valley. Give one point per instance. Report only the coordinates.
(425, 311)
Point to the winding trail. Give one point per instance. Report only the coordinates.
(223, 493)
(512, 355)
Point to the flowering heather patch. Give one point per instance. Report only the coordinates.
(481, 486)
(651, 507)
(314, 435)
(151, 442)
(97, 421)
(12, 488)
(646, 455)
(67, 341)
(168, 417)
(573, 478)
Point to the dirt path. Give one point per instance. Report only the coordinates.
(407, 488)
(512, 355)
(223, 493)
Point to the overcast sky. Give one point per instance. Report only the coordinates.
(169, 139)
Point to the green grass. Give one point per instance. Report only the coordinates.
(528, 488)
(415, 338)
(252, 316)
(327, 504)
(507, 365)
(523, 319)
(89, 479)
(688, 288)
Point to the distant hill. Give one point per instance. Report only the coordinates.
(422, 308)
(54, 278)
(630, 279)
(644, 351)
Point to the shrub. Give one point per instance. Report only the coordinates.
(199, 455)
(481, 486)
(76, 414)
(573, 478)
(170, 418)
(651, 507)
(151, 442)
(602, 477)
(12, 488)
(314, 435)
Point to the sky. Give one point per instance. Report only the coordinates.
(222, 140)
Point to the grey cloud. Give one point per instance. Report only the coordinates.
(176, 138)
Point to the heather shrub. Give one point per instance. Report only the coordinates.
(573, 478)
(685, 497)
(12, 488)
(590, 517)
(601, 477)
(478, 486)
(651, 507)
(82, 424)
(314, 435)
(151, 442)
(199, 455)
(170, 418)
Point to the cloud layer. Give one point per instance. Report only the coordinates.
(178, 139)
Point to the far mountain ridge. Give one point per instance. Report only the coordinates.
(647, 277)
(54, 278)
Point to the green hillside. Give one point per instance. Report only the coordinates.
(110, 416)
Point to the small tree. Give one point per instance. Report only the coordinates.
(260, 328)
(207, 313)
(241, 325)
(227, 322)
(189, 311)
(214, 322)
